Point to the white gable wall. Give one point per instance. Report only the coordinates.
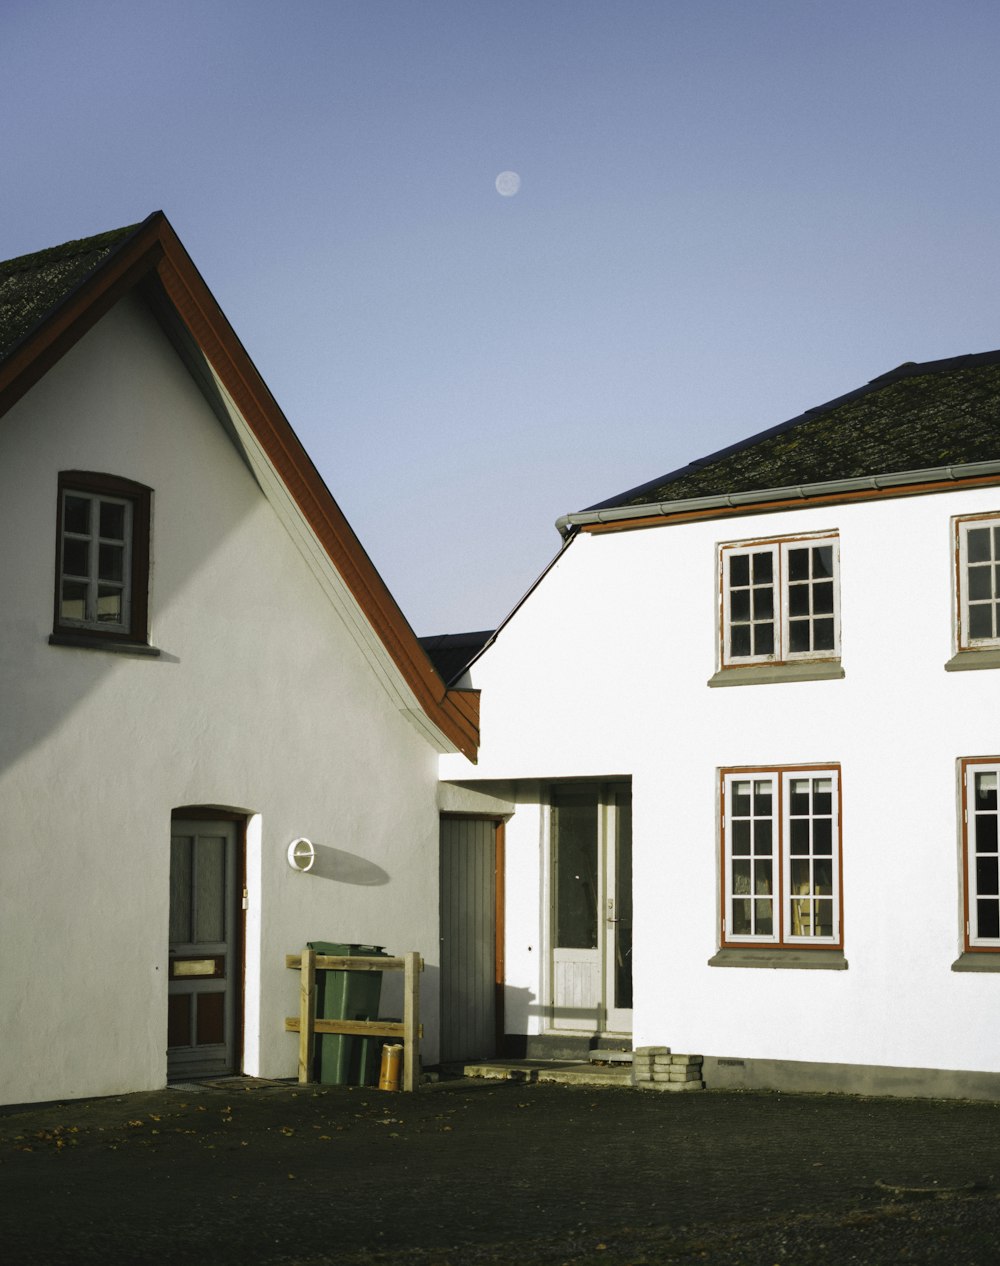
(260, 701)
(603, 672)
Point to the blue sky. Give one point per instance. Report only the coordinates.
(730, 211)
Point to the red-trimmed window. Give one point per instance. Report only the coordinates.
(981, 852)
(102, 557)
(978, 588)
(781, 870)
(780, 600)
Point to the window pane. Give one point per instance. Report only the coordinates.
(798, 635)
(822, 561)
(762, 877)
(762, 837)
(74, 600)
(823, 597)
(822, 795)
(763, 639)
(988, 918)
(739, 604)
(798, 599)
(822, 918)
(741, 798)
(986, 876)
(112, 521)
(823, 635)
(986, 791)
(799, 802)
(762, 796)
(823, 875)
(763, 603)
(210, 888)
(765, 918)
(798, 564)
(574, 832)
(981, 582)
(111, 562)
(986, 833)
(76, 557)
(741, 837)
(741, 877)
(109, 604)
(978, 544)
(76, 514)
(763, 569)
(822, 836)
(798, 841)
(981, 620)
(741, 917)
(739, 569)
(799, 875)
(739, 639)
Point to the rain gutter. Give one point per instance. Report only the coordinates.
(568, 524)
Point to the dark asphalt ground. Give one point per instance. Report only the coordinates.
(488, 1172)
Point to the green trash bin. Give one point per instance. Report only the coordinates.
(341, 1060)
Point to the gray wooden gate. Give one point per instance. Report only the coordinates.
(471, 864)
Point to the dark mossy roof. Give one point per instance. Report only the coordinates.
(32, 285)
(451, 653)
(916, 417)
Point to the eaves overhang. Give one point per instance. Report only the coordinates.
(450, 718)
(795, 496)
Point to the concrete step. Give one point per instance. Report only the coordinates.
(562, 1072)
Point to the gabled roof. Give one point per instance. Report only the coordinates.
(917, 417)
(49, 300)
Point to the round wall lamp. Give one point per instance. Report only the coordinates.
(301, 854)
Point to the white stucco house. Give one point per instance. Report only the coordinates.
(198, 666)
(746, 730)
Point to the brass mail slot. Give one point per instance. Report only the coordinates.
(180, 967)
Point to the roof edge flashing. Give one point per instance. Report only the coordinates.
(567, 524)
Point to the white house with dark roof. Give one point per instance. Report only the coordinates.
(199, 666)
(746, 727)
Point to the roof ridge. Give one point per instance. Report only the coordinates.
(66, 250)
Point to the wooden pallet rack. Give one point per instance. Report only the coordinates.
(409, 1032)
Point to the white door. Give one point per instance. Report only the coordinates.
(591, 908)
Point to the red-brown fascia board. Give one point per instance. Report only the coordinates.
(156, 248)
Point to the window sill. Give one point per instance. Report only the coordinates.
(802, 960)
(973, 659)
(772, 674)
(981, 961)
(85, 642)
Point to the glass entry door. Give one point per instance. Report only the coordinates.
(591, 916)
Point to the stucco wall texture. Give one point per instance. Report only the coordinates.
(260, 701)
(603, 672)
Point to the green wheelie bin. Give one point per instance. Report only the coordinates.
(341, 1060)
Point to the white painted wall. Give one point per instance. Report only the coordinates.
(260, 701)
(603, 672)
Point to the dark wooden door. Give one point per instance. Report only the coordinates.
(204, 949)
(471, 865)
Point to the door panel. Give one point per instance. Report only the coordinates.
(591, 887)
(204, 949)
(469, 987)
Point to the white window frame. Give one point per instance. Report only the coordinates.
(92, 579)
(991, 854)
(963, 637)
(778, 549)
(789, 909)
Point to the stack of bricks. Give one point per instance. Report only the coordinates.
(654, 1068)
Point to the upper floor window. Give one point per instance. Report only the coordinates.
(102, 567)
(780, 600)
(981, 853)
(978, 588)
(781, 857)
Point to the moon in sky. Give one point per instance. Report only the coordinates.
(508, 183)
